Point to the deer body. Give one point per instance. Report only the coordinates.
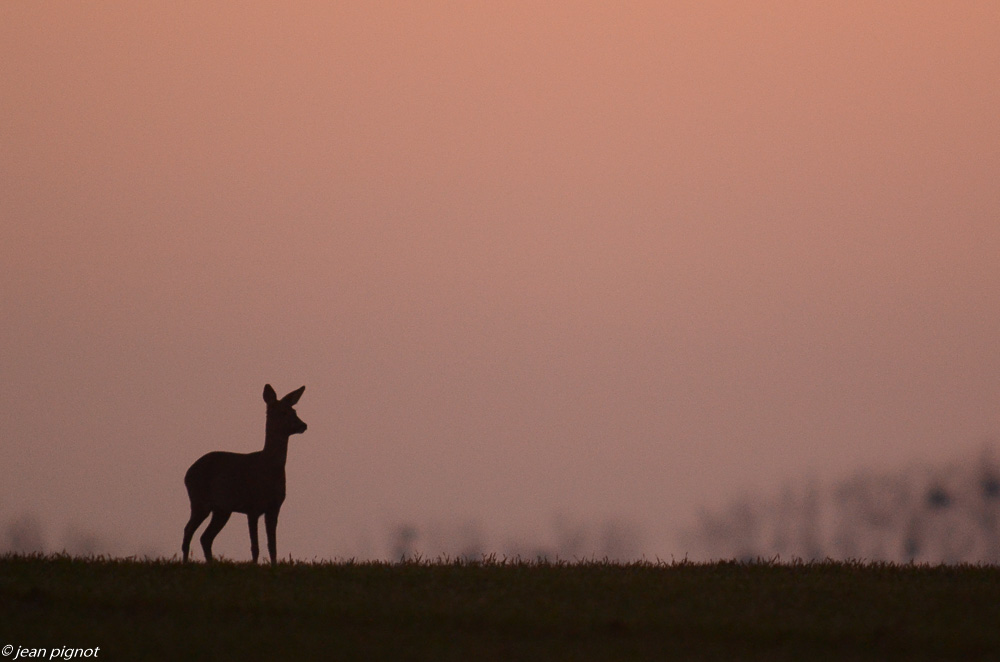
(222, 483)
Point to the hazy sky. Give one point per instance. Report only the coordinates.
(589, 260)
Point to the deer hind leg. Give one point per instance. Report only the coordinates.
(271, 526)
(252, 522)
(198, 515)
(219, 519)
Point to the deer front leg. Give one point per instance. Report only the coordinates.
(198, 515)
(219, 519)
(252, 522)
(271, 526)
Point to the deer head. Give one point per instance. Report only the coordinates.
(282, 421)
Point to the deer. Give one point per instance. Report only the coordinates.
(222, 483)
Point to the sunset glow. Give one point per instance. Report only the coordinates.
(536, 263)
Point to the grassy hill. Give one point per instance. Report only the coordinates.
(162, 610)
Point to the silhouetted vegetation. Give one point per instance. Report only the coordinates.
(935, 515)
(567, 540)
(25, 534)
(501, 610)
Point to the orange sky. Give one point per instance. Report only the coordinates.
(530, 260)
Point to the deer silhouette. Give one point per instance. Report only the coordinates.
(222, 483)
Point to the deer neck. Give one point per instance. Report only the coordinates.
(276, 447)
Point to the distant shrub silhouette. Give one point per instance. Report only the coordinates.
(568, 539)
(936, 515)
(24, 535)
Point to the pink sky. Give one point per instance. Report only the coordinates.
(533, 260)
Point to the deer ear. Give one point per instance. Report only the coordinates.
(293, 397)
(270, 397)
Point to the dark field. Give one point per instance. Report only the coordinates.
(163, 610)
